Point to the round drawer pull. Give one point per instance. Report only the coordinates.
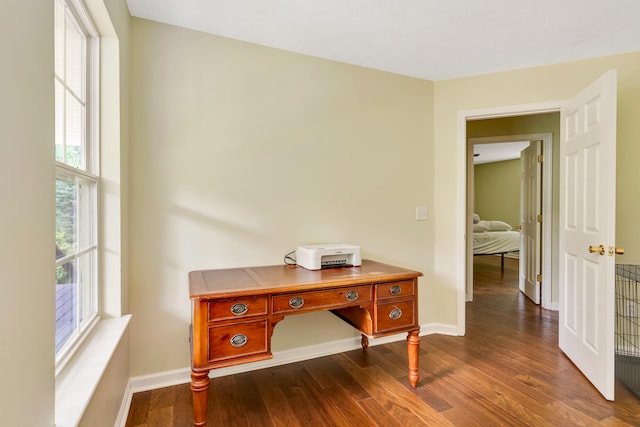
(239, 309)
(296, 302)
(238, 340)
(351, 296)
(395, 314)
(395, 290)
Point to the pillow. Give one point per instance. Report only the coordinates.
(476, 218)
(480, 228)
(496, 225)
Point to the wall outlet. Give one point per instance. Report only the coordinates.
(421, 213)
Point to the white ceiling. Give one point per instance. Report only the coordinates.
(429, 39)
(497, 152)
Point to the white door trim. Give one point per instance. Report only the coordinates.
(461, 229)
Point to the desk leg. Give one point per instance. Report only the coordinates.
(364, 341)
(200, 395)
(413, 348)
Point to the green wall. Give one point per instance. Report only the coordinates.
(240, 153)
(497, 191)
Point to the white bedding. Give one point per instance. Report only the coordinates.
(495, 242)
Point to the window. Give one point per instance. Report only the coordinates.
(76, 189)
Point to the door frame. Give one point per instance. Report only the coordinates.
(464, 227)
(548, 281)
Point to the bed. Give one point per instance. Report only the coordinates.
(494, 238)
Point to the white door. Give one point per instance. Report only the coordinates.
(587, 218)
(530, 191)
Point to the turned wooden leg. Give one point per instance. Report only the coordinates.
(364, 341)
(200, 394)
(413, 348)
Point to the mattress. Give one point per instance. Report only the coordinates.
(495, 242)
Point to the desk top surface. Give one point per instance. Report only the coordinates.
(233, 282)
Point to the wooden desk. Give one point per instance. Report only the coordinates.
(235, 311)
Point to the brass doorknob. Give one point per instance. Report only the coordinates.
(615, 251)
(597, 249)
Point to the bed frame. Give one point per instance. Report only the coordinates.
(501, 257)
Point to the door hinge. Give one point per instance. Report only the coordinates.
(540, 158)
(539, 217)
(539, 277)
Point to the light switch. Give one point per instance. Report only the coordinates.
(421, 213)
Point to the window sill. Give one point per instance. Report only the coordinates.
(80, 377)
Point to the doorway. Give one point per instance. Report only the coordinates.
(506, 126)
(550, 123)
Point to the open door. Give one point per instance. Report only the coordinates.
(587, 231)
(530, 209)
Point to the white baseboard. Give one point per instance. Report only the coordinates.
(439, 328)
(121, 420)
(183, 375)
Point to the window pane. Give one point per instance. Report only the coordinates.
(74, 55)
(74, 132)
(66, 302)
(75, 238)
(59, 39)
(86, 274)
(86, 221)
(59, 122)
(66, 221)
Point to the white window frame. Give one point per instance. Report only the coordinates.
(89, 176)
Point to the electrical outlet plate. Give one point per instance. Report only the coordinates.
(421, 213)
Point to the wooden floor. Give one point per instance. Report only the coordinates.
(507, 370)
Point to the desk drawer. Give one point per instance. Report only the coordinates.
(235, 308)
(394, 315)
(324, 299)
(237, 340)
(400, 289)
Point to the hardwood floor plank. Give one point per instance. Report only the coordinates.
(254, 410)
(350, 411)
(626, 406)
(510, 399)
(430, 397)
(305, 411)
(275, 400)
(182, 407)
(378, 414)
(472, 397)
(139, 409)
(306, 398)
(575, 417)
(161, 417)
(397, 398)
(314, 405)
(226, 404)
(499, 368)
(615, 422)
(394, 360)
(330, 374)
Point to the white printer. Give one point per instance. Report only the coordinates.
(316, 257)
